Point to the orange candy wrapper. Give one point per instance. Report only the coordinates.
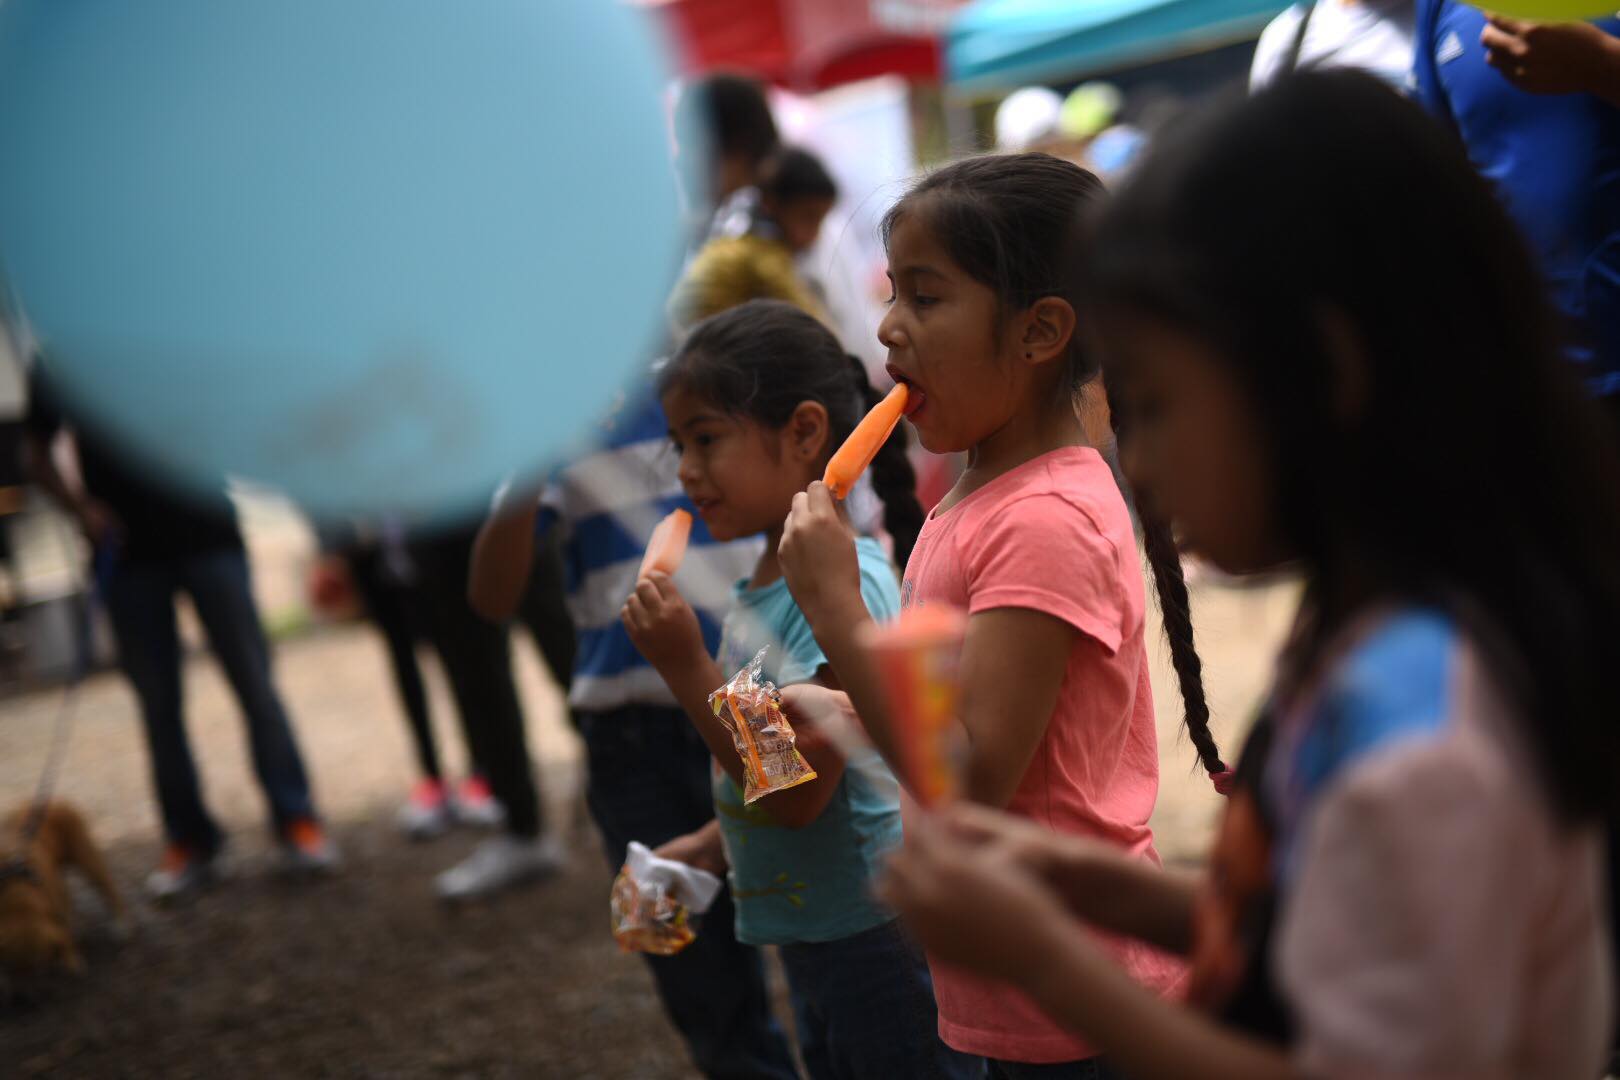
(655, 903)
(917, 656)
(752, 712)
(864, 442)
(667, 546)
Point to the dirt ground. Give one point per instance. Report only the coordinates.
(364, 974)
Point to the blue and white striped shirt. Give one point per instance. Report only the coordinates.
(607, 502)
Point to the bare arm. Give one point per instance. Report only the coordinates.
(503, 554)
(1554, 57)
(1096, 881)
(94, 517)
(1011, 670)
(976, 905)
(665, 630)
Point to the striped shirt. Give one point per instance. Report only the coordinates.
(607, 502)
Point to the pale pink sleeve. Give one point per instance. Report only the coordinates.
(1414, 941)
(1044, 554)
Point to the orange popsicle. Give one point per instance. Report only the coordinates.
(667, 547)
(864, 442)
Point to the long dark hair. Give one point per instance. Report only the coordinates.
(1009, 221)
(1472, 473)
(763, 358)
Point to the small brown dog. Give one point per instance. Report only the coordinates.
(36, 934)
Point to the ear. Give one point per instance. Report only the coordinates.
(808, 431)
(1046, 329)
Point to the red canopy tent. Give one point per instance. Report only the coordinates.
(808, 45)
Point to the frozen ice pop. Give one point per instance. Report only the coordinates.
(667, 547)
(864, 442)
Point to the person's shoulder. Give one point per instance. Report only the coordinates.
(1274, 41)
(1074, 488)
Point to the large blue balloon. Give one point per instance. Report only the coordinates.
(377, 253)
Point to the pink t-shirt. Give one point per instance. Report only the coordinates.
(1053, 535)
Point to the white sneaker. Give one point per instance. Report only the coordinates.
(474, 804)
(427, 814)
(181, 874)
(498, 863)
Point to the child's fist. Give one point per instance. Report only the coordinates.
(661, 624)
(817, 554)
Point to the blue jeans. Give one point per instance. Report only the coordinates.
(648, 775)
(1087, 1069)
(864, 1007)
(140, 601)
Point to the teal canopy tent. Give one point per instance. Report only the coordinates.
(996, 45)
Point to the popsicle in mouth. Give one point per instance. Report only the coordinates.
(864, 442)
(667, 547)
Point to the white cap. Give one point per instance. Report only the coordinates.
(1026, 117)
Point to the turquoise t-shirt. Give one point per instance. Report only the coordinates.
(814, 883)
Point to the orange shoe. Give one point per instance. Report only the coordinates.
(306, 849)
(181, 873)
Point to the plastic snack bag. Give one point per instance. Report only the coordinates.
(655, 903)
(752, 712)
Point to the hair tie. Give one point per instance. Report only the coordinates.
(1224, 780)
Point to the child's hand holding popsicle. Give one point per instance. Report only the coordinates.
(662, 625)
(817, 551)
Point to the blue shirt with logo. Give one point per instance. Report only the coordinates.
(1554, 158)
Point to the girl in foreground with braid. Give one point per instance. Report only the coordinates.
(1407, 881)
(1035, 543)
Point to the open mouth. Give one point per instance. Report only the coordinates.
(915, 395)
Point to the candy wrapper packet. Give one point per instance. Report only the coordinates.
(752, 712)
(655, 903)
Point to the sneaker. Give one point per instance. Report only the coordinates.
(499, 863)
(306, 849)
(427, 813)
(474, 805)
(181, 874)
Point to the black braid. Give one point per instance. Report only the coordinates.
(1171, 585)
(893, 478)
(1164, 559)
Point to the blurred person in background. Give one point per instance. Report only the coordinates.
(1527, 100)
(732, 111)
(781, 220)
(477, 657)
(149, 544)
(1374, 36)
(368, 567)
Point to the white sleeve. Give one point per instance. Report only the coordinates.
(1413, 940)
(1270, 50)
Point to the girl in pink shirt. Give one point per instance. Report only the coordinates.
(1034, 542)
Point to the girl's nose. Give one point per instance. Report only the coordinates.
(686, 470)
(889, 334)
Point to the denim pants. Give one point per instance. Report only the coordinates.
(140, 602)
(864, 1007)
(649, 781)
